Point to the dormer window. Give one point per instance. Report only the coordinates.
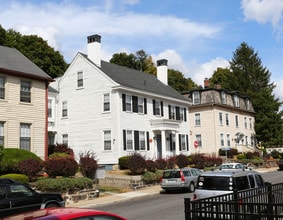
(236, 101)
(196, 98)
(248, 104)
(223, 98)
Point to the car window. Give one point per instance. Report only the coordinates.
(241, 183)
(214, 183)
(171, 174)
(252, 181)
(2, 192)
(187, 173)
(20, 191)
(259, 180)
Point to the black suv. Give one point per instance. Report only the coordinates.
(16, 197)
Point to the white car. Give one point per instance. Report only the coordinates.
(228, 166)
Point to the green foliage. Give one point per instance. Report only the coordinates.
(150, 166)
(161, 164)
(30, 167)
(17, 177)
(123, 162)
(12, 157)
(182, 161)
(241, 157)
(65, 167)
(177, 80)
(60, 148)
(88, 164)
(136, 164)
(63, 184)
(58, 155)
(1, 146)
(152, 177)
(275, 154)
(230, 153)
(251, 155)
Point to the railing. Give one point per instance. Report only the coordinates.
(264, 203)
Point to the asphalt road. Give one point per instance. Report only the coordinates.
(165, 206)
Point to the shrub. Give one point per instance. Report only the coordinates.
(30, 167)
(171, 162)
(251, 155)
(88, 165)
(212, 161)
(230, 153)
(241, 157)
(136, 164)
(58, 155)
(60, 148)
(182, 161)
(150, 166)
(11, 159)
(123, 162)
(17, 177)
(65, 167)
(149, 177)
(161, 164)
(63, 184)
(275, 154)
(198, 160)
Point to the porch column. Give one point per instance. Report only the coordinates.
(177, 151)
(163, 144)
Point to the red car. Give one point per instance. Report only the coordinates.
(66, 213)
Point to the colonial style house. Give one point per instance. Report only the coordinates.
(220, 119)
(114, 111)
(23, 103)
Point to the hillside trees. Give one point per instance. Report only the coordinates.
(247, 76)
(36, 49)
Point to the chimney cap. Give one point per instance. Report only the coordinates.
(94, 38)
(162, 62)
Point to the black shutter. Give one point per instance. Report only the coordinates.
(171, 142)
(136, 140)
(147, 140)
(145, 106)
(135, 103)
(180, 144)
(161, 104)
(169, 111)
(185, 114)
(153, 104)
(187, 140)
(124, 140)
(124, 102)
(177, 113)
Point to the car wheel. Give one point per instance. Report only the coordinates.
(192, 187)
(52, 205)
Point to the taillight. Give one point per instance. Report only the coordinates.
(194, 197)
(160, 180)
(182, 176)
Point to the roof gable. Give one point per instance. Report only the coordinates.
(13, 61)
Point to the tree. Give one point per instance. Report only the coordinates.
(37, 50)
(177, 80)
(250, 78)
(221, 77)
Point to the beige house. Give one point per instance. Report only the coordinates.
(23, 103)
(220, 119)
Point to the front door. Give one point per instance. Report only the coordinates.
(159, 148)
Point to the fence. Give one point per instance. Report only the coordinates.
(265, 203)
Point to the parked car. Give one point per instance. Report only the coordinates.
(226, 166)
(67, 213)
(280, 164)
(180, 179)
(214, 183)
(16, 197)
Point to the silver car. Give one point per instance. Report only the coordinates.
(180, 179)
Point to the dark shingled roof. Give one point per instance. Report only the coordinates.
(138, 80)
(13, 60)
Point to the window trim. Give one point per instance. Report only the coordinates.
(80, 79)
(107, 140)
(106, 102)
(25, 136)
(2, 87)
(25, 91)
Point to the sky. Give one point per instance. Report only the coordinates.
(195, 36)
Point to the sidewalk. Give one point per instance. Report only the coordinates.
(107, 198)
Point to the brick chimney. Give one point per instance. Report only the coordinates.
(94, 49)
(162, 71)
(206, 83)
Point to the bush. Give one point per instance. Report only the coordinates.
(60, 148)
(198, 160)
(62, 185)
(88, 165)
(182, 161)
(17, 177)
(275, 154)
(150, 166)
(136, 164)
(123, 162)
(30, 167)
(241, 157)
(12, 157)
(58, 155)
(171, 162)
(149, 177)
(161, 164)
(65, 167)
(212, 161)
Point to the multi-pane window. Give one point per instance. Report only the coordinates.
(250, 120)
(182, 114)
(25, 95)
(183, 142)
(2, 87)
(248, 104)
(49, 108)
(107, 140)
(106, 102)
(246, 140)
(25, 136)
(223, 98)
(140, 105)
(237, 120)
(236, 101)
(157, 108)
(198, 138)
(222, 140)
(2, 133)
(64, 109)
(220, 118)
(80, 79)
(65, 139)
(172, 112)
(196, 98)
(142, 140)
(128, 103)
(245, 122)
(129, 140)
(228, 140)
(197, 119)
(227, 119)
